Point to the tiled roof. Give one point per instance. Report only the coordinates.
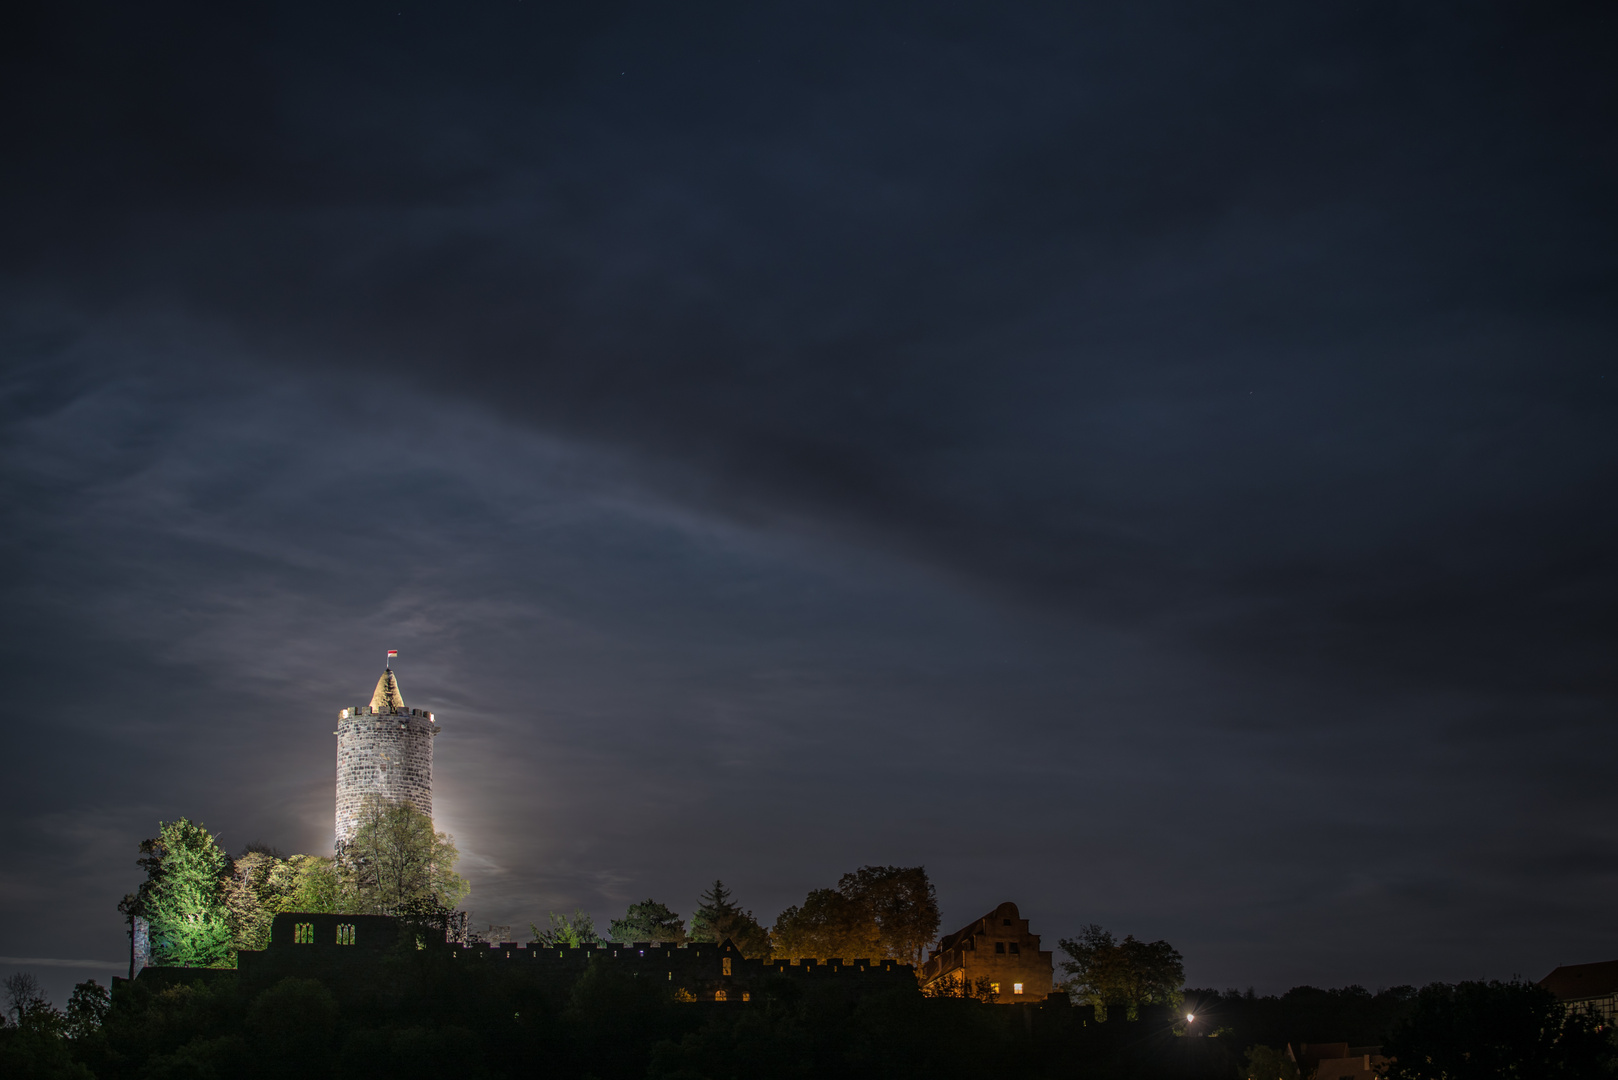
(1572, 981)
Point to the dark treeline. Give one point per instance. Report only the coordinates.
(418, 1015)
(1351, 1014)
(415, 1015)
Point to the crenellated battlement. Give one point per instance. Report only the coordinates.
(320, 944)
(358, 711)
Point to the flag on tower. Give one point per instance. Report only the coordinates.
(392, 653)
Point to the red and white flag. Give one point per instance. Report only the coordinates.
(392, 653)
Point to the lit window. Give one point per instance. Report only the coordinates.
(994, 988)
(303, 933)
(727, 965)
(746, 996)
(719, 995)
(1016, 988)
(345, 934)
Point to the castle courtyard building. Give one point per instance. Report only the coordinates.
(996, 953)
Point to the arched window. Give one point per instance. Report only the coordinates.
(303, 933)
(345, 933)
(719, 995)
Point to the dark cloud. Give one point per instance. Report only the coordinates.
(1185, 433)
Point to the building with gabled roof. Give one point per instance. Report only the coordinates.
(997, 953)
(1590, 986)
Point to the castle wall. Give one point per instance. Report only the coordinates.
(386, 752)
(357, 947)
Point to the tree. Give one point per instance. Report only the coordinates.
(252, 899)
(1109, 973)
(183, 896)
(717, 919)
(308, 883)
(903, 904)
(262, 884)
(33, 1035)
(1268, 1063)
(648, 921)
(1496, 1029)
(957, 986)
(87, 1009)
(567, 931)
(24, 997)
(828, 925)
(394, 858)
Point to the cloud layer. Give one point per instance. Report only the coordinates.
(1146, 463)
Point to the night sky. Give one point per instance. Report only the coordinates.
(1154, 463)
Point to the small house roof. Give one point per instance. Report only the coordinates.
(1570, 982)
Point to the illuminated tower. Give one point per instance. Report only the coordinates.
(383, 749)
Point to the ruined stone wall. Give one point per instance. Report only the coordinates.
(382, 751)
(140, 945)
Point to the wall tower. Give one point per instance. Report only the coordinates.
(383, 749)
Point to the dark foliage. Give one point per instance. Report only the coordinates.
(419, 1015)
(1350, 1014)
(648, 920)
(718, 918)
(1498, 1031)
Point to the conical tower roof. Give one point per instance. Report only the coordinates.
(387, 692)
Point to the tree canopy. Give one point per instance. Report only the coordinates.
(183, 896)
(876, 911)
(396, 859)
(1126, 974)
(648, 921)
(717, 919)
(827, 925)
(903, 904)
(569, 930)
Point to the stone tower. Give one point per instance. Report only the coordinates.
(383, 749)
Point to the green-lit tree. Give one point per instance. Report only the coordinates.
(252, 898)
(396, 858)
(567, 930)
(902, 903)
(717, 919)
(183, 896)
(828, 924)
(308, 883)
(648, 921)
(262, 885)
(1126, 974)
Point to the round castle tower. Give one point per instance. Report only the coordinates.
(383, 749)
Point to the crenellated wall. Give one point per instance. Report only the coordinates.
(354, 945)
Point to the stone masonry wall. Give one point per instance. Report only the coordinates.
(386, 752)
